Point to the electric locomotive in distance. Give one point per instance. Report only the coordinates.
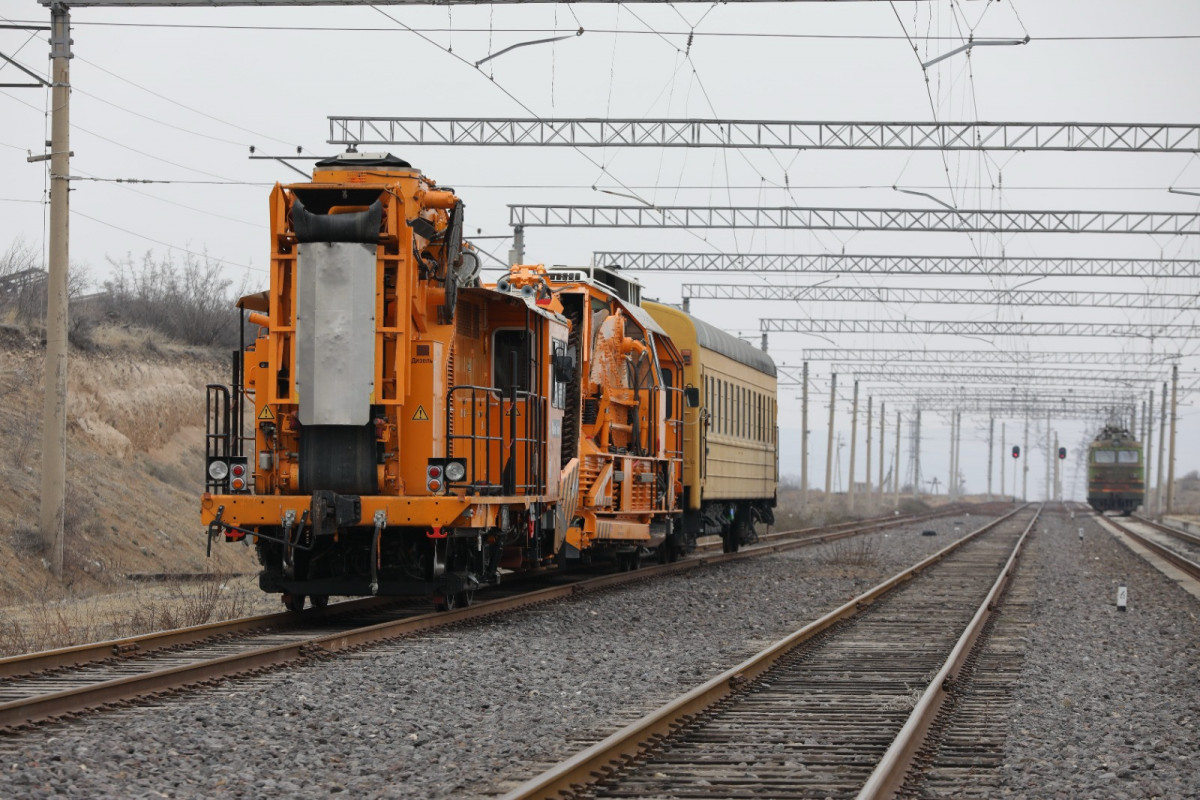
(1115, 471)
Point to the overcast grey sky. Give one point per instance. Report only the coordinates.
(178, 96)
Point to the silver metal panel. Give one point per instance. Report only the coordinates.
(335, 332)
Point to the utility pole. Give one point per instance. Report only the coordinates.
(917, 456)
(1162, 430)
(867, 480)
(853, 446)
(896, 465)
(950, 474)
(54, 409)
(1025, 464)
(1003, 453)
(991, 453)
(1057, 491)
(958, 457)
(1171, 454)
(804, 440)
(829, 445)
(1148, 440)
(1049, 466)
(517, 254)
(882, 424)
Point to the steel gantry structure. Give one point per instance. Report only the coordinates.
(294, 3)
(883, 355)
(955, 374)
(825, 263)
(856, 219)
(940, 296)
(914, 373)
(765, 134)
(979, 328)
(981, 398)
(1006, 409)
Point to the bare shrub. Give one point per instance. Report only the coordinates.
(52, 624)
(188, 302)
(175, 474)
(854, 551)
(23, 282)
(28, 541)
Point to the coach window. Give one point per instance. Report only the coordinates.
(667, 384)
(716, 407)
(1127, 456)
(741, 412)
(716, 387)
(508, 343)
(1105, 457)
(719, 385)
(725, 407)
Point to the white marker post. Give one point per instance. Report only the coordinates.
(1081, 534)
(1122, 597)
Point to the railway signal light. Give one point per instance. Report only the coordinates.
(1016, 451)
(1062, 452)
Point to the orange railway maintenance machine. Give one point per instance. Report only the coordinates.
(392, 427)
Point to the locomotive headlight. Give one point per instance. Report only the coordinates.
(218, 470)
(455, 470)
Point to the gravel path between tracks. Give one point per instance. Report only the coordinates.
(1109, 701)
(463, 712)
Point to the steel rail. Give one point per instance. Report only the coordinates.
(1181, 535)
(840, 530)
(28, 664)
(25, 711)
(890, 772)
(632, 740)
(1175, 559)
(96, 652)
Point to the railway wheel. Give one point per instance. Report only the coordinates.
(731, 540)
(293, 602)
(448, 601)
(320, 600)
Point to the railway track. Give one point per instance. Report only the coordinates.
(824, 712)
(1180, 549)
(70, 681)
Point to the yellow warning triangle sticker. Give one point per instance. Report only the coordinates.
(266, 413)
(512, 411)
(420, 415)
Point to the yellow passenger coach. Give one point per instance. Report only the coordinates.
(730, 461)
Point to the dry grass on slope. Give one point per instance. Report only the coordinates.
(135, 437)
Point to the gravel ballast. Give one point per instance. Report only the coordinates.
(1109, 701)
(464, 712)
(474, 710)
